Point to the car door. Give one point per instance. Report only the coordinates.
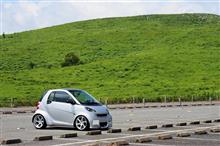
(58, 108)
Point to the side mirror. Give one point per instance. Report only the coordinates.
(71, 101)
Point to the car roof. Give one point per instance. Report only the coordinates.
(64, 89)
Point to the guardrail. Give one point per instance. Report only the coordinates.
(15, 102)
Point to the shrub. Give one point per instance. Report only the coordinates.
(3, 35)
(31, 65)
(70, 59)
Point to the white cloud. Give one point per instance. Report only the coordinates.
(19, 19)
(24, 15)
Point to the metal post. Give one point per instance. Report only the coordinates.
(144, 102)
(172, 100)
(106, 101)
(165, 100)
(11, 102)
(210, 100)
(180, 101)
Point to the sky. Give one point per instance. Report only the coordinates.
(23, 15)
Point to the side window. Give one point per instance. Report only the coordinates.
(50, 98)
(61, 96)
(42, 96)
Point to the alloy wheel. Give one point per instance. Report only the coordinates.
(81, 123)
(39, 122)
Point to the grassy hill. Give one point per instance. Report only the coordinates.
(148, 57)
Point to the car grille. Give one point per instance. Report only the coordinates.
(101, 115)
(103, 124)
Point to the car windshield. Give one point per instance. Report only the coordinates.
(84, 98)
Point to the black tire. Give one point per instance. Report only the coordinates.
(39, 121)
(82, 127)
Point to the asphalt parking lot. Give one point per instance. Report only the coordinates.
(19, 126)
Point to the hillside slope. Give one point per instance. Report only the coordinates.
(148, 57)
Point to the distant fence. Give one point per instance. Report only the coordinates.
(163, 99)
(14, 102)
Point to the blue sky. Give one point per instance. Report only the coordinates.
(22, 15)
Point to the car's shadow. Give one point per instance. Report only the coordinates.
(69, 128)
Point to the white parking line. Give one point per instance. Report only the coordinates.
(133, 136)
(70, 139)
(214, 133)
(119, 134)
(148, 144)
(197, 139)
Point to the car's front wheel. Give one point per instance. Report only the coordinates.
(81, 123)
(39, 122)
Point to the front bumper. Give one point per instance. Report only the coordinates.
(101, 122)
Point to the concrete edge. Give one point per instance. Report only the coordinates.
(95, 132)
(42, 138)
(114, 131)
(10, 141)
(134, 129)
(68, 135)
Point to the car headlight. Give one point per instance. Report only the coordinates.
(90, 109)
(107, 111)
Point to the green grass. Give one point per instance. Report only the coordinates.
(137, 57)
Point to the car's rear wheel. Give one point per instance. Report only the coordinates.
(39, 122)
(81, 123)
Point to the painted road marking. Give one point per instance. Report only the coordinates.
(141, 135)
(70, 139)
(201, 139)
(148, 144)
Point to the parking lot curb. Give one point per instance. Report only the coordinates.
(153, 106)
(216, 120)
(207, 121)
(21, 112)
(183, 134)
(151, 127)
(134, 129)
(143, 140)
(195, 122)
(167, 125)
(164, 137)
(11, 141)
(138, 106)
(200, 132)
(69, 135)
(121, 107)
(7, 112)
(42, 138)
(215, 130)
(93, 144)
(95, 132)
(130, 107)
(181, 124)
(114, 131)
(118, 143)
(112, 108)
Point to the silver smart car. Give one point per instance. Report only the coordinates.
(71, 108)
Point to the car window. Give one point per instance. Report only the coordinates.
(83, 97)
(43, 95)
(61, 96)
(50, 98)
